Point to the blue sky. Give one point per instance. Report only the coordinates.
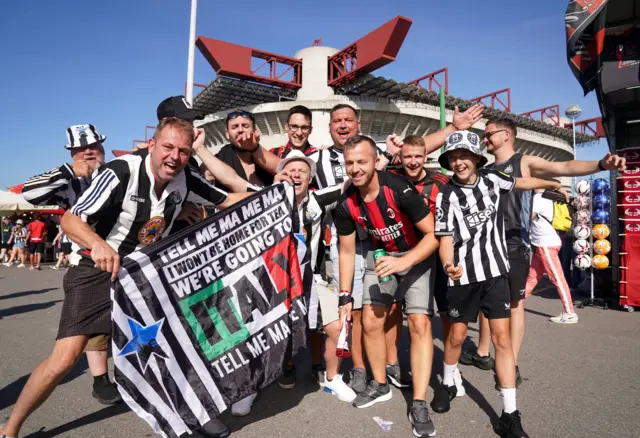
(110, 63)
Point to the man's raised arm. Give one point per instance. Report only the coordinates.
(541, 168)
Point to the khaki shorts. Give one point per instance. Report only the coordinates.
(98, 343)
(415, 286)
(328, 301)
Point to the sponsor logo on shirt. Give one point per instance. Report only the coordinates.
(387, 234)
(475, 220)
(135, 198)
(152, 230)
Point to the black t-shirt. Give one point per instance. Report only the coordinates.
(229, 156)
(390, 219)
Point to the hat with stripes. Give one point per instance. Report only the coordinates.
(80, 136)
(467, 140)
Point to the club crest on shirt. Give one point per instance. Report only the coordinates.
(152, 230)
(391, 213)
(509, 169)
(339, 172)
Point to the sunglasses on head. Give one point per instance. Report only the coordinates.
(234, 114)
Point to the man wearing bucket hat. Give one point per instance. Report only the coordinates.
(470, 224)
(62, 186)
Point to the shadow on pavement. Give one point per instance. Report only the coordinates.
(535, 312)
(16, 310)
(94, 417)
(26, 293)
(9, 394)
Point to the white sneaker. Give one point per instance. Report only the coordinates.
(242, 408)
(55, 268)
(338, 388)
(565, 318)
(6, 265)
(457, 380)
(21, 265)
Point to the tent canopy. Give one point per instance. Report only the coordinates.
(11, 203)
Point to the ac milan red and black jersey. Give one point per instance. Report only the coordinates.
(283, 151)
(429, 186)
(390, 219)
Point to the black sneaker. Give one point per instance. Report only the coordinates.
(420, 420)
(510, 426)
(358, 380)
(318, 373)
(288, 378)
(484, 363)
(374, 393)
(213, 429)
(518, 379)
(394, 375)
(105, 391)
(442, 398)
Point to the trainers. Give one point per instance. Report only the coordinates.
(3, 435)
(374, 393)
(420, 419)
(518, 379)
(358, 380)
(105, 391)
(319, 374)
(242, 408)
(442, 398)
(457, 380)
(565, 318)
(484, 363)
(6, 265)
(55, 268)
(288, 378)
(213, 429)
(21, 265)
(338, 388)
(510, 426)
(394, 376)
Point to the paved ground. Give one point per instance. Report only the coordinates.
(580, 380)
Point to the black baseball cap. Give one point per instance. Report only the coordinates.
(177, 106)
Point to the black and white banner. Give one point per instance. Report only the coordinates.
(205, 317)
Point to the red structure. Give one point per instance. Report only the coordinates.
(235, 61)
(495, 98)
(589, 127)
(433, 78)
(548, 113)
(374, 50)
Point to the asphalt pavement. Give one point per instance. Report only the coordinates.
(579, 380)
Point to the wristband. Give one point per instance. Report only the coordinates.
(388, 156)
(601, 165)
(344, 298)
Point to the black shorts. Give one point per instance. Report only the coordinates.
(519, 261)
(440, 287)
(491, 296)
(65, 248)
(6, 246)
(36, 247)
(87, 302)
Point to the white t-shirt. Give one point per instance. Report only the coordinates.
(542, 233)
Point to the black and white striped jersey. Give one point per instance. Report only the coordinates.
(122, 207)
(331, 170)
(59, 186)
(474, 216)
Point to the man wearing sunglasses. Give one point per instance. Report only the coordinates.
(249, 160)
(500, 137)
(298, 129)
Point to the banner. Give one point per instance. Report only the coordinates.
(585, 28)
(205, 318)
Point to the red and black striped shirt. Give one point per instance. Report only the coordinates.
(283, 151)
(429, 186)
(390, 219)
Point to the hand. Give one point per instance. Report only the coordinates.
(454, 272)
(394, 144)
(468, 118)
(82, 169)
(566, 194)
(614, 162)
(388, 265)
(283, 176)
(249, 140)
(191, 213)
(198, 139)
(105, 258)
(345, 310)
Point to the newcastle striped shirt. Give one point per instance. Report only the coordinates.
(59, 186)
(473, 215)
(122, 207)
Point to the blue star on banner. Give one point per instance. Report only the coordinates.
(143, 343)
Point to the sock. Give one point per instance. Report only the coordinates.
(509, 399)
(449, 370)
(101, 380)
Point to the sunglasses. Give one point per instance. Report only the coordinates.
(235, 114)
(487, 135)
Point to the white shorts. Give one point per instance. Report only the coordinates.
(328, 302)
(358, 276)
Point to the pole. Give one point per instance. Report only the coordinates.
(573, 179)
(443, 120)
(591, 234)
(192, 47)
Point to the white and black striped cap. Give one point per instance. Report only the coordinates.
(80, 136)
